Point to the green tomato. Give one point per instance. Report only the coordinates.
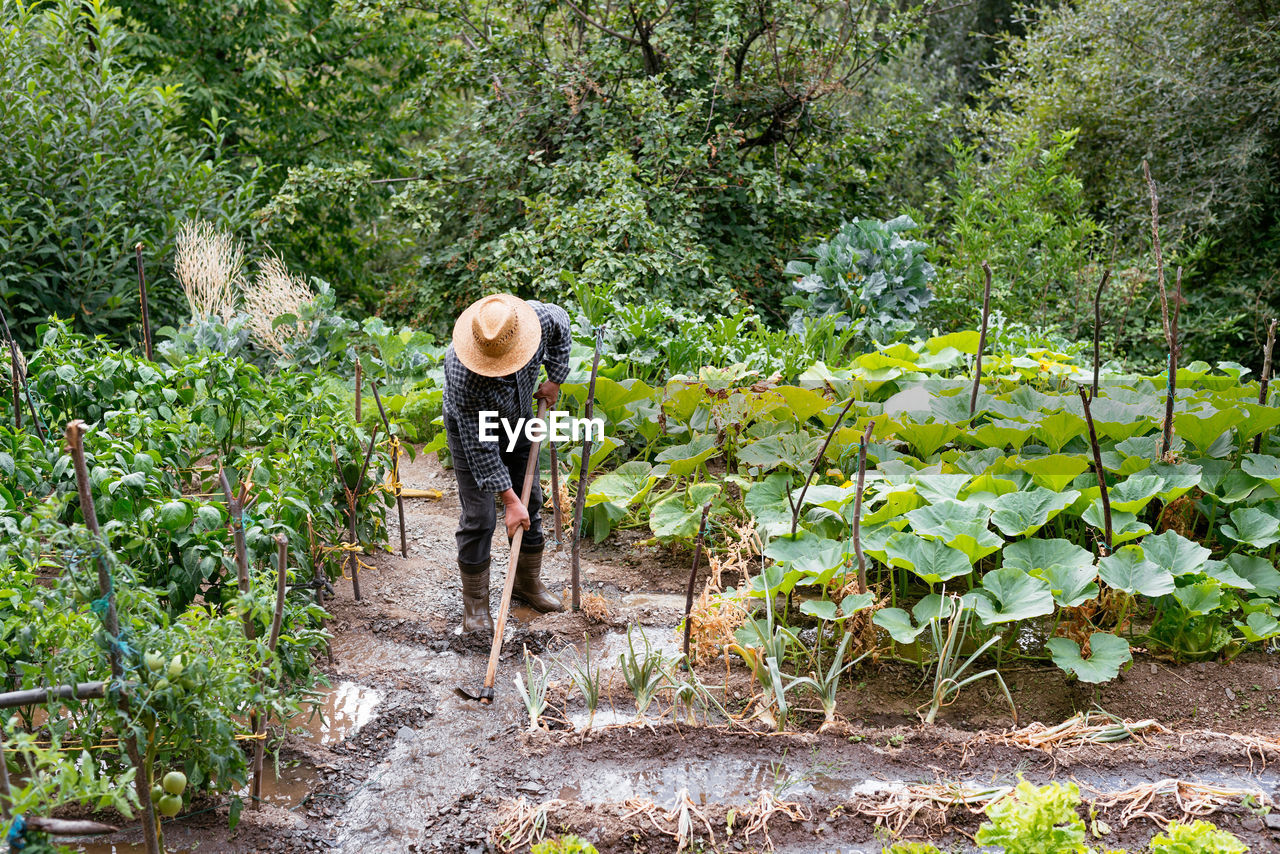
(170, 805)
(176, 667)
(157, 792)
(154, 661)
(175, 782)
(162, 684)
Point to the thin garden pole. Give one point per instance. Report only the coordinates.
(857, 507)
(580, 500)
(395, 463)
(982, 338)
(17, 395)
(282, 586)
(111, 622)
(817, 461)
(359, 388)
(5, 790)
(142, 297)
(1265, 379)
(352, 495)
(1097, 465)
(693, 577)
(1097, 332)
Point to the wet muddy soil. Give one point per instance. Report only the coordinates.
(396, 761)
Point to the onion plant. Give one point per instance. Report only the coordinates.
(534, 692)
(586, 677)
(949, 670)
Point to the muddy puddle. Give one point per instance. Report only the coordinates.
(345, 709)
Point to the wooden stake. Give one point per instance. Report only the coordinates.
(1097, 332)
(359, 388)
(142, 297)
(395, 469)
(277, 617)
(1170, 324)
(580, 500)
(797, 505)
(982, 339)
(236, 509)
(111, 622)
(352, 495)
(17, 395)
(693, 577)
(13, 354)
(857, 507)
(1265, 380)
(1097, 465)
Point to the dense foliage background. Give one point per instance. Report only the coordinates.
(675, 156)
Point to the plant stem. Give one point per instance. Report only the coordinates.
(982, 338)
(395, 462)
(26, 386)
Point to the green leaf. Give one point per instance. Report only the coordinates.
(767, 503)
(1172, 551)
(1009, 595)
(855, 602)
(176, 515)
(897, 623)
(1058, 428)
(1124, 526)
(1020, 514)
(1134, 493)
(1072, 586)
(1053, 472)
(1259, 571)
(1258, 627)
(1203, 427)
(685, 459)
(1107, 655)
(823, 609)
(1203, 597)
(931, 560)
(1129, 570)
(1253, 526)
(926, 439)
(1031, 555)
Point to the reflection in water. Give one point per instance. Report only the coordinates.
(347, 707)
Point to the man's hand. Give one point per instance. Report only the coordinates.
(517, 515)
(549, 392)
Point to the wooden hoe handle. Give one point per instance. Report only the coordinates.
(499, 628)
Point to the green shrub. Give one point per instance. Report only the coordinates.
(1199, 837)
(89, 168)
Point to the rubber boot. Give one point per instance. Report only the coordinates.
(529, 586)
(475, 597)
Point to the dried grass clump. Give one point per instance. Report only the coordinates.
(274, 293)
(1190, 800)
(521, 823)
(208, 263)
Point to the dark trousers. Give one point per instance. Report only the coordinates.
(479, 511)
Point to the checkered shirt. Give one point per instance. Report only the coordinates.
(467, 393)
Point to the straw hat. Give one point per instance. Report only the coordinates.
(497, 335)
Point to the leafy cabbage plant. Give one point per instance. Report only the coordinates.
(868, 277)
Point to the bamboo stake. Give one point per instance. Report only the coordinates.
(17, 395)
(395, 468)
(142, 296)
(982, 338)
(1097, 331)
(1265, 379)
(39, 696)
(580, 500)
(817, 461)
(5, 789)
(857, 507)
(142, 776)
(693, 577)
(236, 508)
(1097, 465)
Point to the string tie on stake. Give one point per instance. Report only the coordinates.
(17, 837)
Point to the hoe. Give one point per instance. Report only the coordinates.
(485, 694)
